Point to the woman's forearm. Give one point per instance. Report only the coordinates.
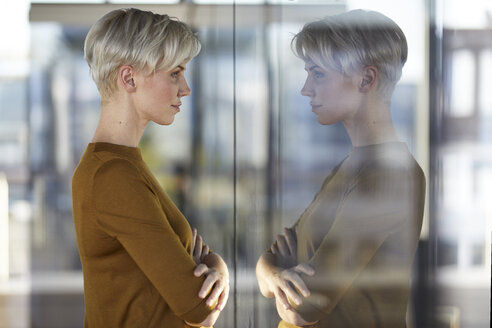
(208, 322)
(214, 261)
(286, 285)
(265, 267)
(291, 316)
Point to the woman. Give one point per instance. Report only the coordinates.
(346, 262)
(143, 266)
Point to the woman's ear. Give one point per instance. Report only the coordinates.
(126, 78)
(369, 78)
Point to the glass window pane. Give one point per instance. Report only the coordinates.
(460, 164)
(462, 84)
(247, 156)
(485, 83)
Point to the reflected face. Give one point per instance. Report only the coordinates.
(334, 96)
(158, 95)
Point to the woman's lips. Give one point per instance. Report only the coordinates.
(314, 106)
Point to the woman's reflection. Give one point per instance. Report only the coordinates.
(347, 260)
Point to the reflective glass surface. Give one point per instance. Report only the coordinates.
(246, 155)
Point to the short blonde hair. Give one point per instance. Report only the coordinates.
(141, 39)
(352, 40)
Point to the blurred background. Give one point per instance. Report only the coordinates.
(245, 156)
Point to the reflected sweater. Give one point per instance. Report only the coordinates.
(360, 234)
(134, 244)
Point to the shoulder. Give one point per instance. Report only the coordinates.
(393, 163)
(120, 174)
(117, 168)
(390, 172)
(120, 188)
(103, 163)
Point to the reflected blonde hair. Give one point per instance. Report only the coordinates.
(353, 40)
(141, 39)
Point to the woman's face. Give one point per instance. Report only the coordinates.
(158, 95)
(334, 96)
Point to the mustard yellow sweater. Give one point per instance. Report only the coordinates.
(360, 234)
(134, 245)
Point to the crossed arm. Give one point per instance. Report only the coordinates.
(280, 276)
(137, 220)
(216, 284)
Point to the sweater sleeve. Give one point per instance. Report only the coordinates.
(128, 210)
(379, 203)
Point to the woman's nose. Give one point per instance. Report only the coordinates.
(307, 90)
(184, 89)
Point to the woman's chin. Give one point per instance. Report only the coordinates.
(324, 121)
(167, 121)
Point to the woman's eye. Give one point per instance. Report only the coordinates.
(318, 75)
(174, 74)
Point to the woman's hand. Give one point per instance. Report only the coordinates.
(216, 285)
(287, 284)
(291, 316)
(278, 272)
(280, 276)
(200, 250)
(286, 247)
(215, 271)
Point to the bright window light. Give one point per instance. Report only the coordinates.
(14, 33)
(307, 2)
(486, 83)
(4, 228)
(462, 84)
(228, 2)
(68, 1)
(273, 2)
(144, 2)
(466, 14)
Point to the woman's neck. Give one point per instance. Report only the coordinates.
(370, 133)
(371, 125)
(119, 124)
